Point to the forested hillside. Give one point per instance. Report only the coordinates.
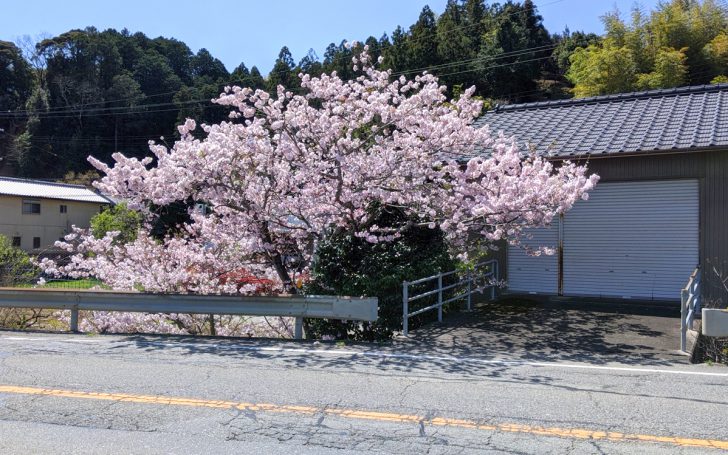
(96, 92)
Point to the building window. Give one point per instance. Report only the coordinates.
(36, 242)
(64, 208)
(31, 207)
(16, 241)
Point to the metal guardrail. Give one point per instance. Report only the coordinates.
(689, 306)
(298, 306)
(489, 271)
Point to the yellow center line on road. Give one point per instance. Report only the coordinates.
(574, 433)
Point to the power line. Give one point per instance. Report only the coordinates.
(127, 113)
(515, 53)
(107, 101)
(78, 108)
(106, 109)
(134, 110)
(494, 66)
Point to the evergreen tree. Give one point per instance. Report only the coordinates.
(422, 41)
(396, 57)
(282, 72)
(455, 44)
(16, 85)
(513, 51)
(310, 64)
(256, 79)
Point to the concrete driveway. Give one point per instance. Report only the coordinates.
(579, 331)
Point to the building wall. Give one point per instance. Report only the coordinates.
(711, 169)
(49, 225)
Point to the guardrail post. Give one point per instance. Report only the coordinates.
(470, 290)
(405, 308)
(74, 319)
(212, 325)
(439, 297)
(298, 329)
(495, 277)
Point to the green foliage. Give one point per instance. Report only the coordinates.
(108, 91)
(423, 40)
(567, 43)
(716, 52)
(680, 42)
(505, 68)
(15, 265)
(598, 70)
(81, 178)
(310, 64)
(670, 70)
(16, 76)
(454, 42)
(283, 72)
(16, 86)
(349, 265)
(117, 218)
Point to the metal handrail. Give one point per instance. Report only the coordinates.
(298, 306)
(492, 274)
(690, 300)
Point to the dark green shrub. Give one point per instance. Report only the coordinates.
(16, 267)
(349, 265)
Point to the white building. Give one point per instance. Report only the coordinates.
(34, 214)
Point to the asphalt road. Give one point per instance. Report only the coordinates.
(114, 394)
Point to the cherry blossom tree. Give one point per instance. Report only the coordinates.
(286, 170)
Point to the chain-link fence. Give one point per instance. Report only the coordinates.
(19, 270)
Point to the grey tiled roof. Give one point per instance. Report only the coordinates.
(658, 120)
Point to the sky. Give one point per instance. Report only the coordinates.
(254, 31)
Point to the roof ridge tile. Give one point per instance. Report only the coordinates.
(42, 182)
(657, 93)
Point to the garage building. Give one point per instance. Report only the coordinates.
(660, 209)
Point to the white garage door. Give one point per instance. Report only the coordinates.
(632, 239)
(534, 274)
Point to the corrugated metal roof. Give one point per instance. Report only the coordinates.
(681, 118)
(40, 189)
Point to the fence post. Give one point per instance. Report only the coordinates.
(470, 289)
(684, 296)
(405, 308)
(74, 319)
(298, 329)
(439, 297)
(697, 292)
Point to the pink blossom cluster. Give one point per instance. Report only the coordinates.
(288, 169)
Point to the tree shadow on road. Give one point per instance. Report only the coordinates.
(487, 342)
(530, 330)
(385, 360)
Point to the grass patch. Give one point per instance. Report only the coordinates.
(86, 283)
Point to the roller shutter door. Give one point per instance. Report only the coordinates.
(534, 274)
(632, 240)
